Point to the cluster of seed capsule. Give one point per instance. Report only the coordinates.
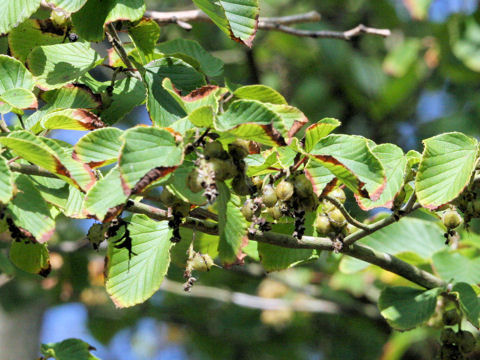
(455, 345)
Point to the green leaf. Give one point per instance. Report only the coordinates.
(405, 308)
(128, 93)
(320, 177)
(145, 150)
(14, 75)
(394, 162)
(236, 18)
(69, 349)
(97, 205)
(68, 5)
(232, 226)
(276, 258)
(198, 98)
(56, 65)
(318, 131)
(177, 184)
(209, 64)
(100, 147)
(202, 117)
(132, 281)
(351, 160)
(6, 181)
(162, 107)
(259, 164)
(397, 238)
(252, 120)
(68, 119)
(30, 211)
(31, 257)
(15, 11)
(79, 174)
(446, 168)
(260, 93)
(402, 57)
(465, 42)
(145, 35)
(89, 22)
(469, 302)
(454, 266)
(71, 97)
(28, 35)
(19, 99)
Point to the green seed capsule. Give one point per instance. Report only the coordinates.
(224, 169)
(309, 203)
(339, 195)
(303, 186)
(167, 198)
(275, 212)
(269, 197)
(201, 262)
(242, 185)
(322, 225)
(248, 210)
(284, 190)
(451, 317)
(214, 150)
(466, 341)
(448, 336)
(239, 149)
(337, 219)
(451, 219)
(194, 181)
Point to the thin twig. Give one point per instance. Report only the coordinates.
(345, 213)
(328, 34)
(3, 125)
(31, 170)
(272, 24)
(116, 43)
(252, 301)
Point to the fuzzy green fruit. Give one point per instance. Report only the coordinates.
(223, 169)
(303, 186)
(451, 219)
(451, 317)
(269, 197)
(309, 203)
(275, 212)
(239, 149)
(168, 199)
(242, 185)
(214, 150)
(284, 190)
(194, 181)
(322, 225)
(248, 210)
(448, 336)
(339, 195)
(201, 262)
(337, 219)
(466, 341)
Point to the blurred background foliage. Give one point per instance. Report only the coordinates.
(421, 81)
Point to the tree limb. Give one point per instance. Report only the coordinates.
(183, 18)
(383, 260)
